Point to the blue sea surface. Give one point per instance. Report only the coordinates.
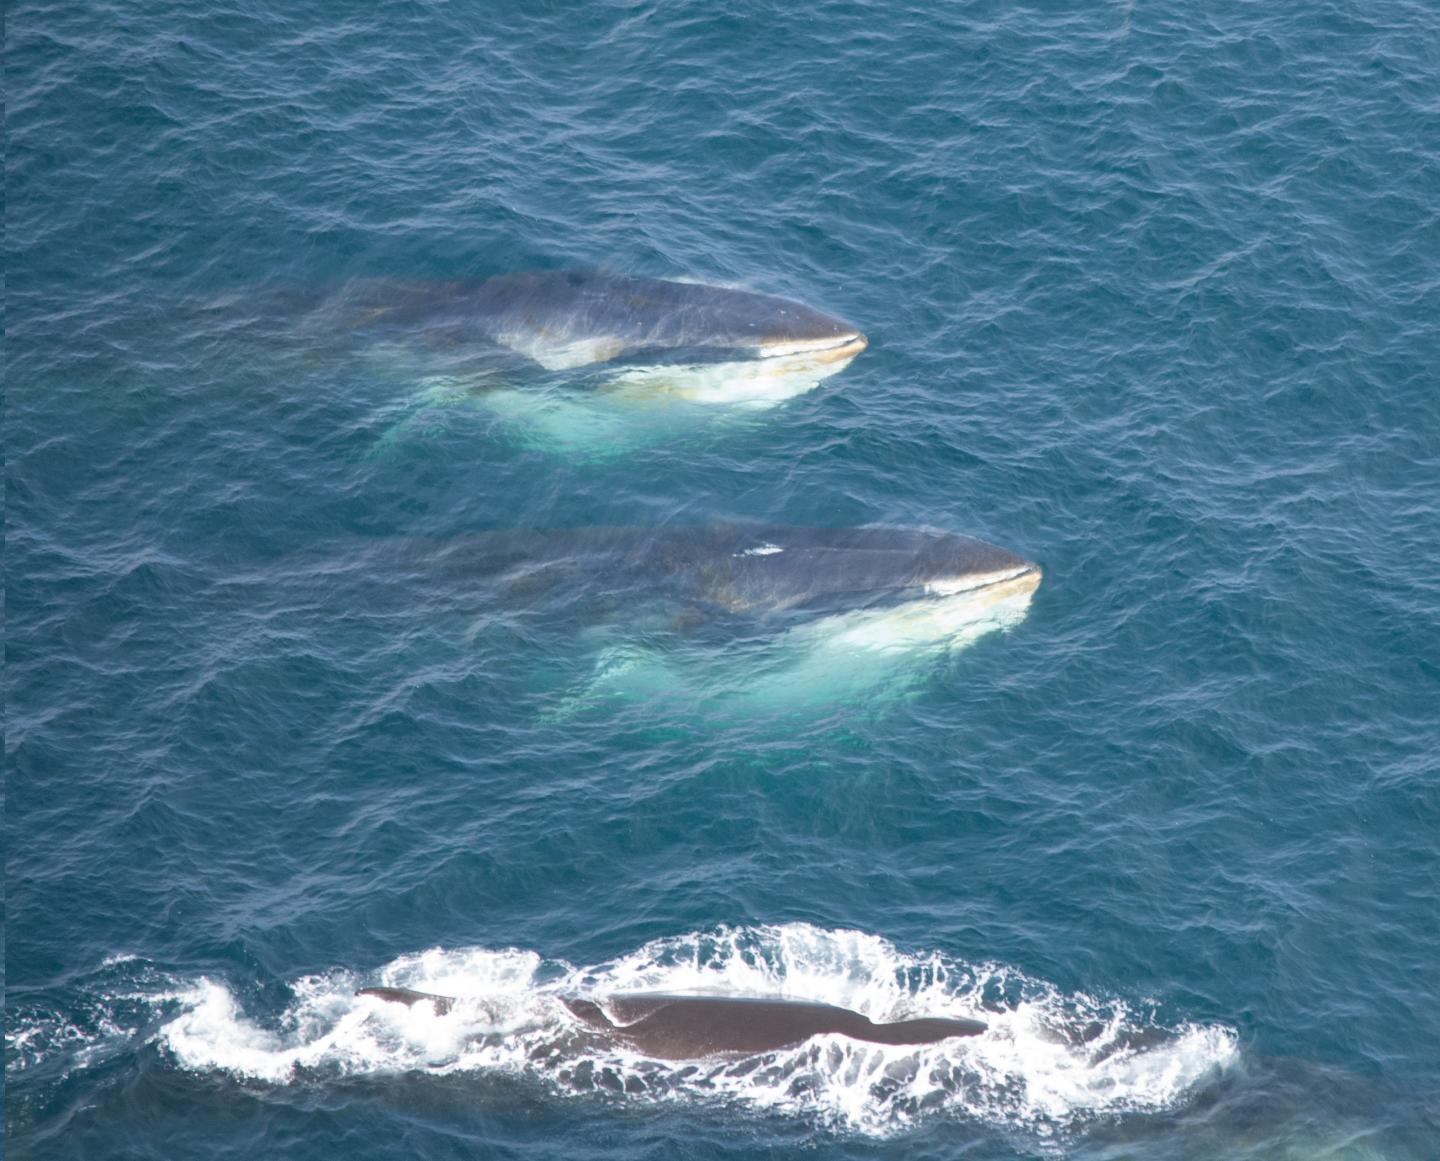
(1152, 298)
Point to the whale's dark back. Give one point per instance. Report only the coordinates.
(691, 1027)
(670, 1027)
(780, 568)
(644, 312)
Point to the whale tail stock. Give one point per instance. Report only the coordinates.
(589, 1012)
(924, 1030)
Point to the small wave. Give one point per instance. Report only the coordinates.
(123, 1003)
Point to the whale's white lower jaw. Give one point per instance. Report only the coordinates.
(1026, 579)
(937, 620)
(757, 381)
(822, 350)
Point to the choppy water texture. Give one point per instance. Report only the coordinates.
(1151, 293)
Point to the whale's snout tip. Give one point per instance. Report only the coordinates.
(846, 349)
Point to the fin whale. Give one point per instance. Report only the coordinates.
(678, 1027)
(572, 318)
(755, 570)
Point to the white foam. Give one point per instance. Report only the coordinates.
(1040, 1067)
(35, 1038)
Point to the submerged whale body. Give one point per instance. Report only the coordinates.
(569, 318)
(747, 618)
(763, 571)
(690, 339)
(563, 319)
(674, 1027)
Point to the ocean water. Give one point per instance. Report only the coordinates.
(1152, 298)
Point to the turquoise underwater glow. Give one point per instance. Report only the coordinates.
(1150, 293)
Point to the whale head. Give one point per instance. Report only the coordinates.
(567, 319)
(781, 568)
(878, 587)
